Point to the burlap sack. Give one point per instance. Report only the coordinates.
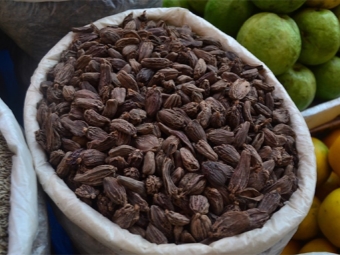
(23, 216)
(96, 234)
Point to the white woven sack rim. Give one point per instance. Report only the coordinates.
(92, 222)
(23, 215)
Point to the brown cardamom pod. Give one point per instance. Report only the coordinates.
(190, 163)
(199, 204)
(200, 226)
(205, 149)
(195, 131)
(126, 216)
(95, 176)
(115, 191)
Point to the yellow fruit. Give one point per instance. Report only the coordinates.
(329, 139)
(309, 228)
(318, 245)
(292, 247)
(332, 183)
(325, 4)
(323, 170)
(329, 217)
(334, 157)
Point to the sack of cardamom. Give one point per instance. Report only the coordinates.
(18, 189)
(155, 133)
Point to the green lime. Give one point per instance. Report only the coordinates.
(228, 16)
(274, 39)
(198, 6)
(327, 77)
(300, 85)
(279, 6)
(320, 35)
(175, 3)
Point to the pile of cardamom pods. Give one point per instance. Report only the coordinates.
(166, 133)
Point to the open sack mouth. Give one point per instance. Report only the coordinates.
(166, 133)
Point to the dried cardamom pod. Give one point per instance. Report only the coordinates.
(241, 134)
(240, 176)
(159, 220)
(216, 173)
(95, 119)
(126, 216)
(171, 118)
(195, 131)
(176, 218)
(152, 184)
(137, 230)
(119, 94)
(192, 184)
(200, 226)
(239, 89)
(170, 145)
(173, 100)
(153, 101)
(131, 172)
(114, 190)
(92, 157)
(190, 163)
(228, 154)
(215, 200)
(205, 114)
(205, 149)
(230, 223)
(132, 184)
(95, 176)
(135, 158)
(220, 136)
(136, 199)
(148, 143)
(177, 175)
(163, 201)
(154, 235)
(270, 202)
(199, 204)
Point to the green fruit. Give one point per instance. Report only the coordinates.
(175, 3)
(229, 16)
(300, 84)
(272, 38)
(327, 77)
(320, 35)
(198, 6)
(279, 6)
(170, 3)
(336, 11)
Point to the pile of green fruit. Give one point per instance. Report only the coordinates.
(298, 40)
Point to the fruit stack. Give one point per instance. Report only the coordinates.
(298, 40)
(320, 230)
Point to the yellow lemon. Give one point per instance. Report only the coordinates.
(323, 169)
(318, 245)
(329, 217)
(334, 157)
(309, 228)
(329, 139)
(332, 183)
(292, 247)
(325, 4)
